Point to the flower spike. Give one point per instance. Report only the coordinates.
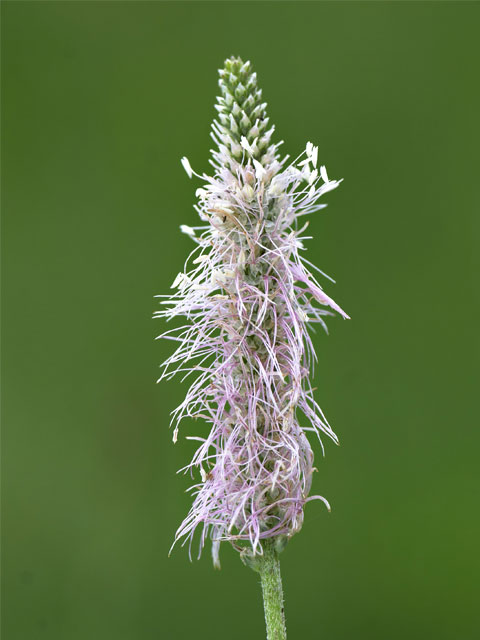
(249, 299)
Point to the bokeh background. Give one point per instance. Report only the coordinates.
(100, 101)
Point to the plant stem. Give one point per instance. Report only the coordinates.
(269, 569)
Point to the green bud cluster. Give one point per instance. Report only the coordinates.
(241, 112)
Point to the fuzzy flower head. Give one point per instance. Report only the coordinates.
(248, 298)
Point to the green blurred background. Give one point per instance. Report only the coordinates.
(100, 101)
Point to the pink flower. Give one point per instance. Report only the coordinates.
(248, 298)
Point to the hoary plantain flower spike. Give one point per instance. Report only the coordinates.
(248, 298)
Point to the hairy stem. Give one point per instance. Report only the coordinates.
(269, 569)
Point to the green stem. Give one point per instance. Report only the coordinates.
(269, 569)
